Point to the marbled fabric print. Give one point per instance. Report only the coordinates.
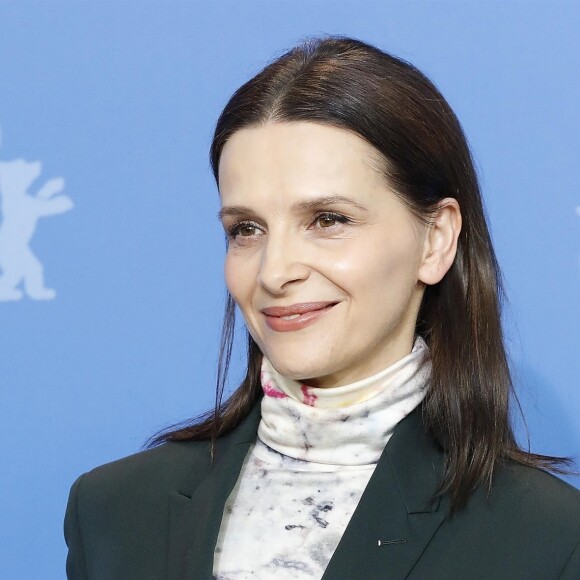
(284, 518)
(347, 425)
(303, 478)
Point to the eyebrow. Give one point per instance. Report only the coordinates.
(299, 207)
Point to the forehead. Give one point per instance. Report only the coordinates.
(296, 156)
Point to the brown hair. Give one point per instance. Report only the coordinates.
(425, 157)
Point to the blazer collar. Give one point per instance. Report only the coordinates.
(396, 517)
(195, 516)
(399, 511)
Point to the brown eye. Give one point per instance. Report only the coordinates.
(329, 220)
(326, 221)
(247, 230)
(243, 230)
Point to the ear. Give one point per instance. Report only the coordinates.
(440, 245)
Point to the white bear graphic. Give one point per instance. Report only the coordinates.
(20, 212)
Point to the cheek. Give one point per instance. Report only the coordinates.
(241, 280)
(383, 268)
(233, 275)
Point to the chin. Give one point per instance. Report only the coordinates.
(299, 372)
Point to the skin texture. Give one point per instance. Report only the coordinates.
(375, 265)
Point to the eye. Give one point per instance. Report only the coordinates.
(329, 219)
(243, 229)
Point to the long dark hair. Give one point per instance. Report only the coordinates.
(425, 157)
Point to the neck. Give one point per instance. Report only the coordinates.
(346, 425)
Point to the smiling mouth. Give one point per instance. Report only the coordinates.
(296, 315)
(296, 309)
(282, 319)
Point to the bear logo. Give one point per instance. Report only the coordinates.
(21, 211)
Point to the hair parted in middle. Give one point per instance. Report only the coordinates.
(423, 156)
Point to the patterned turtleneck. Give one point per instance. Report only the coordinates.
(303, 478)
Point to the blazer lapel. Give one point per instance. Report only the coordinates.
(195, 518)
(396, 516)
(387, 533)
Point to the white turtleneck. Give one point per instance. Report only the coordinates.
(303, 478)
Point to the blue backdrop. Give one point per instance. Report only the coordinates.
(107, 110)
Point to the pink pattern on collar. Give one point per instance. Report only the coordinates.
(271, 391)
(308, 397)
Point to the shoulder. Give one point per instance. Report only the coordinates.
(140, 482)
(177, 466)
(526, 526)
(172, 464)
(539, 496)
(116, 514)
(526, 506)
(136, 488)
(529, 514)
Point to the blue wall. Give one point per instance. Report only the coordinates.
(119, 99)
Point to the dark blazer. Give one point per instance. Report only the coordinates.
(156, 515)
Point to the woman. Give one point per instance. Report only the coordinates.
(370, 437)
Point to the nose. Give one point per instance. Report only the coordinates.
(282, 262)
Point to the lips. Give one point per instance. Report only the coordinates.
(297, 316)
(279, 311)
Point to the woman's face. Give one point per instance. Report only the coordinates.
(310, 221)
